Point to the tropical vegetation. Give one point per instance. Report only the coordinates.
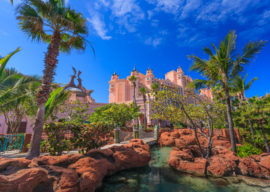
(63, 29)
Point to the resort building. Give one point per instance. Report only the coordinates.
(121, 90)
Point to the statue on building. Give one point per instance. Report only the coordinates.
(78, 89)
(71, 82)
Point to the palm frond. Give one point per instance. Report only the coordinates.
(248, 85)
(4, 61)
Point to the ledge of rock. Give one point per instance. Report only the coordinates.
(71, 173)
(185, 157)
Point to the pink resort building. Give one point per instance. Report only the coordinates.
(121, 90)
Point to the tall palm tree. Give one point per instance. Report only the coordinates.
(133, 80)
(143, 92)
(63, 29)
(223, 65)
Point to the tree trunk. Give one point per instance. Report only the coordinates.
(44, 93)
(145, 119)
(230, 121)
(251, 131)
(135, 128)
(134, 96)
(265, 139)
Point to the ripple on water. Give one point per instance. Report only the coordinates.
(159, 177)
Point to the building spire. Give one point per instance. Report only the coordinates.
(134, 69)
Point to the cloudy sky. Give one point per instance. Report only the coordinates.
(146, 33)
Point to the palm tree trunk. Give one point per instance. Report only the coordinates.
(145, 120)
(44, 93)
(134, 96)
(230, 122)
(265, 139)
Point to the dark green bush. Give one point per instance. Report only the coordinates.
(247, 149)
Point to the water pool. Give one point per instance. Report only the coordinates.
(159, 177)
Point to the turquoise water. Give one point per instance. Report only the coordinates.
(159, 177)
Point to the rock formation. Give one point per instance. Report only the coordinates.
(71, 173)
(186, 157)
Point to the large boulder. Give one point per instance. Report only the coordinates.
(250, 166)
(71, 173)
(223, 164)
(23, 180)
(184, 161)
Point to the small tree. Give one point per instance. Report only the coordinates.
(170, 105)
(114, 114)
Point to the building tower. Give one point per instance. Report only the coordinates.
(114, 79)
(149, 77)
(180, 77)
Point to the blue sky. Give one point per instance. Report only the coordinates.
(145, 33)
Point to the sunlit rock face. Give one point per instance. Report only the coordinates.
(68, 173)
(186, 156)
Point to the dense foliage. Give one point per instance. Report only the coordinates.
(247, 149)
(65, 136)
(114, 114)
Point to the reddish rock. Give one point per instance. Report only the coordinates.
(63, 160)
(184, 161)
(221, 141)
(222, 165)
(23, 180)
(185, 131)
(20, 163)
(250, 167)
(70, 173)
(166, 139)
(265, 160)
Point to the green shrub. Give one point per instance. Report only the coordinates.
(84, 137)
(94, 135)
(56, 142)
(248, 149)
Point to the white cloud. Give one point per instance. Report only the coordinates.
(99, 26)
(168, 6)
(128, 13)
(190, 6)
(153, 41)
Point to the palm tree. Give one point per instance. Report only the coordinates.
(223, 66)
(13, 94)
(10, 82)
(63, 29)
(143, 92)
(133, 80)
(155, 87)
(240, 86)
